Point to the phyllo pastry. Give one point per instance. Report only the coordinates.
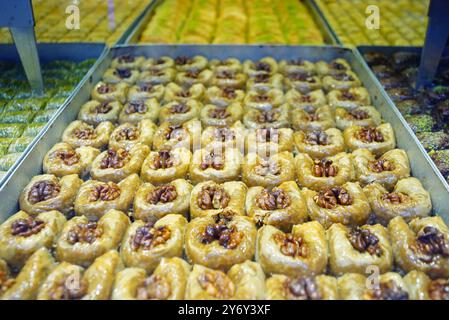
(378, 139)
(212, 115)
(127, 135)
(117, 75)
(127, 61)
(145, 91)
(94, 112)
(341, 81)
(281, 287)
(263, 99)
(319, 144)
(321, 118)
(364, 116)
(349, 99)
(157, 77)
(104, 92)
(174, 92)
(79, 133)
(307, 101)
(269, 140)
(421, 287)
(172, 136)
(274, 118)
(138, 110)
(230, 136)
(222, 97)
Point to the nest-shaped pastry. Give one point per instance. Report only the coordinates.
(299, 253)
(174, 92)
(171, 136)
(266, 65)
(82, 241)
(72, 282)
(296, 66)
(167, 282)
(216, 163)
(154, 202)
(408, 200)
(346, 204)
(79, 133)
(221, 240)
(354, 250)
(157, 77)
(244, 281)
(194, 63)
(223, 97)
(232, 136)
(126, 135)
(105, 92)
(159, 63)
(274, 118)
(94, 112)
(281, 287)
(267, 170)
(229, 64)
(336, 66)
(22, 234)
(378, 139)
(117, 164)
(144, 91)
(136, 111)
(127, 61)
(349, 99)
(263, 99)
(421, 287)
(209, 198)
(62, 160)
(265, 81)
(190, 78)
(212, 115)
(386, 170)
(341, 81)
(96, 198)
(307, 101)
(282, 206)
(319, 144)
(302, 82)
(269, 140)
(360, 116)
(146, 243)
(47, 192)
(319, 174)
(166, 165)
(227, 78)
(179, 112)
(320, 119)
(117, 75)
(390, 286)
(26, 284)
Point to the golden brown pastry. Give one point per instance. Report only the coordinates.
(296, 66)
(299, 253)
(269, 140)
(145, 91)
(275, 118)
(167, 282)
(127, 135)
(378, 139)
(160, 63)
(171, 136)
(229, 64)
(95, 198)
(82, 241)
(194, 63)
(223, 97)
(265, 81)
(165, 165)
(320, 119)
(174, 92)
(94, 112)
(22, 234)
(190, 78)
(212, 115)
(119, 75)
(230, 136)
(79, 134)
(127, 61)
(421, 287)
(421, 245)
(302, 82)
(228, 78)
(349, 99)
(336, 66)
(146, 243)
(282, 206)
(179, 112)
(408, 200)
(319, 144)
(72, 282)
(62, 160)
(365, 116)
(157, 77)
(308, 101)
(244, 281)
(346, 204)
(219, 241)
(341, 81)
(154, 202)
(138, 110)
(266, 65)
(263, 99)
(105, 92)
(46, 192)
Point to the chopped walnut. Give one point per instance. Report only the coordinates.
(229, 93)
(180, 108)
(332, 197)
(380, 165)
(115, 159)
(343, 77)
(148, 237)
(126, 58)
(105, 192)
(69, 288)
(306, 98)
(162, 194)
(128, 133)
(268, 116)
(136, 107)
(224, 134)
(262, 66)
(324, 168)
(175, 131)
(43, 190)
(388, 290)
(346, 95)
(225, 75)
(194, 74)
(154, 287)
(85, 133)
(184, 94)
(213, 197)
(27, 227)
(103, 108)
(162, 160)
(183, 60)
(262, 78)
(276, 199)
(364, 240)
(313, 116)
(68, 157)
(228, 236)
(358, 114)
(84, 233)
(302, 288)
(317, 138)
(431, 243)
(213, 160)
(291, 245)
(106, 88)
(216, 284)
(369, 135)
(394, 197)
(261, 98)
(267, 167)
(219, 113)
(439, 289)
(123, 73)
(145, 87)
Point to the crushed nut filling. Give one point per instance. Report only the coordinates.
(431, 243)
(105, 192)
(266, 167)
(123, 73)
(69, 288)
(380, 165)
(136, 107)
(213, 160)
(439, 289)
(229, 93)
(313, 116)
(213, 197)
(103, 108)
(302, 288)
(154, 287)
(216, 284)
(219, 113)
(364, 240)
(182, 60)
(183, 94)
(105, 88)
(302, 77)
(394, 197)
(262, 66)
(148, 237)
(162, 194)
(227, 235)
(162, 160)
(306, 98)
(291, 245)
(126, 58)
(267, 135)
(129, 133)
(42, 191)
(145, 87)
(68, 157)
(370, 134)
(84, 133)
(180, 108)
(268, 116)
(343, 77)
(193, 74)
(276, 199)
(225, 74)
(84, 233)
(27, 227)
(261, 98)
(324, 168)
(262, 78)
(330, 198)
(388, 290)
(175, 131)
(337, 66)
(5, 282)
(224, 134)
(296, 62)
(358, 114)
(320, 138)
(347, 95)
(115, 159)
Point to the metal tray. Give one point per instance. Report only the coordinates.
(322, 25)
(420, 163)
(49, 52)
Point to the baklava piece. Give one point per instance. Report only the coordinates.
(296, 66)
(195, 63)
(308, 101)
(223, 97)
(230, 64)
(145, 91)
(265, 81)
(136, 111)
(378, 139)
(117, 164)
(189, 78)
(22, 234)
(274, 118)
(167, 282)
(265, 65)
(441, 160)
(303, 82)
(82, 240)
(421, 245)
(62, 160)
(146, 243)
(349, 99)
(230, 136)
(244, 281)
(263, 99)
(420, 122)
(94, 112)
(212, 115)
(421, 287)
(346, 204)
(79, 133)
(269, 140)
(154, 202)
(157, 77)
(118, 75)
(104, 92)
(179, 112)
(360, 116)
(336, 66)
(47, 192)
(320, 119)
(319, 144)
(228, 79)
(221, 240)
(166, 165)
(341, 81)
(127, 135)
(386, 170)
(157, 63)
(431, 141)
(127, 61)
(408, 200)
(174, 92)
(96, 198)
(209, 198)
(173, 136)
(303, 252)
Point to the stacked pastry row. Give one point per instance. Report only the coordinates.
(224, 221)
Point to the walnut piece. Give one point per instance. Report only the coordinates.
(148, 237)
(317, 138)
(388, 290)
(105, 192)
(27, 227)
(369, 135)
(43, 191)
(84, 233)
(439, 289)
(364, 240)
(213, 197)
(302, 288)
(106, 88)
(431, 243)
(227, 235)
(358, 114)
(163, 160)
(84, 133)
(162, 194)
(154, 287)
(276, 199)
(216, 284)
(115, 159)
(213, 160)
(291, 245)
(267, 116)
(68, 157)
(123, 73)
(380, 165)
(394, 197)
(136, 107)
(332, 197)
(180, 108)
(324, 168)
(219, 113)
(224, 134)
(128, 133)
(228, 93)
(103, 108)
